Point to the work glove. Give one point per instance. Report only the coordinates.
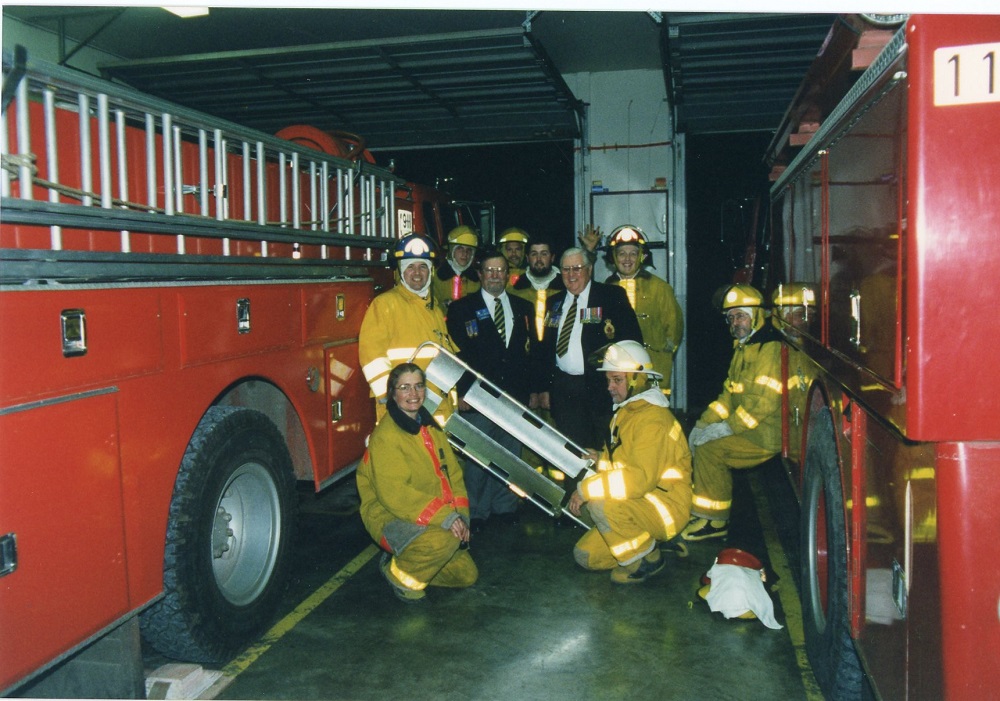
(709, 433)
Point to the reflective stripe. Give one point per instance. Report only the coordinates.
(437, 503)
(746, 418)
(407, 581)
(594, 490)
(675, 431)
(722, 411)
(629, 286)
(604, 465)
(380, 386)
(770, 382)
(400, 355)
(672, 473)
(709, 504)
(540, 297)
(616, 484)
(664, 512)
(629, 546)
(377, 367)
(735, 387)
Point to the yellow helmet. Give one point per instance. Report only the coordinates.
(740, 295)
(514, 234)
(463, 236)
(794, 294)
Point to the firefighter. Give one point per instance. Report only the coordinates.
(652, 298)
(538, 282)
(399, 320)
(742, 427)
(512, 244)
(641, 493)
(793, 309)
(413, 499)
(456, 276)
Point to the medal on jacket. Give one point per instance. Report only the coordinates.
(609, 330)
(471, 328)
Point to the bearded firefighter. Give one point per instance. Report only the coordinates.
(742, 427)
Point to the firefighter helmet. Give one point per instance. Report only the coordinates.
(628, 356)
(741, 558)
(513, 234)
(463, 235)
(414, 246)
(627, 235)
(794, 294)
(741, 295)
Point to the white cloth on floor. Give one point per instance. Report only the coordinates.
(736, 590)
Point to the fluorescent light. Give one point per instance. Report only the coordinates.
(186, 11)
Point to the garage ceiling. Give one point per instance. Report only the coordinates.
(417, 78)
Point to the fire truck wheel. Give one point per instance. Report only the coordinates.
(824, 568)
(228, 539)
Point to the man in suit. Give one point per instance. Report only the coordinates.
(579, 322)
(494, 334)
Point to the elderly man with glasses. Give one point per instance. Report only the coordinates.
(579, 322)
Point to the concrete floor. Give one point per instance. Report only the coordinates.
(535, 626)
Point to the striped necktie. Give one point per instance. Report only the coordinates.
(566, 330)
(500, 320)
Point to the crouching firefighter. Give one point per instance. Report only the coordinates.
(413, 498)
(640, 495)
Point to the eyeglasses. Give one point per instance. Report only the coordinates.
(572, 268)
(419, 386)
(495, 271)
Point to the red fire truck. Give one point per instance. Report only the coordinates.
(180, 300)
(890, 217)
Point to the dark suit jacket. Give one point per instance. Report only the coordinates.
(613, 320)
(471, 327)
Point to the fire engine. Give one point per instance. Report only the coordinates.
(180, 300)
(884, 228)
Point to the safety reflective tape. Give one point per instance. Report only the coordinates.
(744, 416)
(672, 473)
(400, 354)
(407, 581)
(380, 386)
(629, 546)
(707, 504)
(664, 512)
(594, 489)
(540, 297)
(770, 382)
(616, 484)
(736, 387)
(377, 367)
(719, 409)
(675, 431)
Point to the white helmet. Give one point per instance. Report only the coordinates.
(628, 356)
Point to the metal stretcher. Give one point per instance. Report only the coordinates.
(446, 373)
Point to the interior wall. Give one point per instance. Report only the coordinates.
(630, 170)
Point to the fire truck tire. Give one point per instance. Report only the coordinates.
(824, 568)
(229, 535)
